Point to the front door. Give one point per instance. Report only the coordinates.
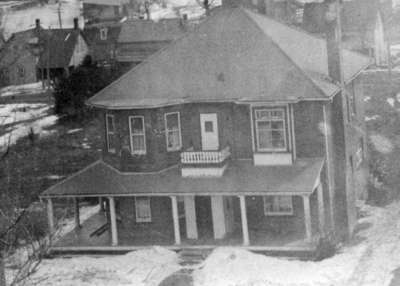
(209, 131)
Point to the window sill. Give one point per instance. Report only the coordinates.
(272, 159)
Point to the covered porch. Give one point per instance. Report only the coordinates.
(199, 212)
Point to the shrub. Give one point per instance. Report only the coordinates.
(327, 246)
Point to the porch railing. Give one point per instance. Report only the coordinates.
(205, 157)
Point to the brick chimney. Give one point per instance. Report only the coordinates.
(76, 23)
(37, 24)
(333, 40)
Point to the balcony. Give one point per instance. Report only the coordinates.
(204, 163)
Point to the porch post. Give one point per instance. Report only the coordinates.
(243, 213)
(190, 217)
(321, 210)
(76, 212)
(113, 218)
(50, 216)
(175, 217)
(218, 217)
(307, 216)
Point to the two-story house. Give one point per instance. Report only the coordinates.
(243, 132)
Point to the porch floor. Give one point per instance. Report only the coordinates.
(83, 239)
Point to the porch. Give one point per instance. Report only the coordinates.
(178, 213)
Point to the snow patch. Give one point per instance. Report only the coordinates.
(390, 101)
(373, 117)
(31, 88)
(72, 131)
(381, 143)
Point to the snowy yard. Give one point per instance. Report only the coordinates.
(369, 261)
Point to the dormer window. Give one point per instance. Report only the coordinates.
(110, 133)
(137, 135)
(270, 125)
(103, 34)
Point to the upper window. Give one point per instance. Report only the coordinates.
(270, 129)
(137, 134)
(143, 209)
(173, 131)
(21, 71)
(278, 205)
(103, 34)
(110, 130)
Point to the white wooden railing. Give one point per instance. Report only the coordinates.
(205, 157)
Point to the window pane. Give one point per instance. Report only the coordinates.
(277, 125)
(264, 139)
(208, 126)
(278, 140)
(143, 209)
(173, 140)
(264, 125)
(138, 143)
(172, 121)
(111, 143)
(137, 125)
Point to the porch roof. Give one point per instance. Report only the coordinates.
(240, 178)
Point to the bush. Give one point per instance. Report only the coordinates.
(327, 247)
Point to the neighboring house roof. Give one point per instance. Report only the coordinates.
(18, 43)
(239, 177)
(59, 45)
(106, 2)
(235, 55)
(149, 31)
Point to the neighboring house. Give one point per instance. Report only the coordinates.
(140, 38)
(102, 40)
(18, 59)
(103, 10)
(363, 25)
(63, 49)
(230, 135)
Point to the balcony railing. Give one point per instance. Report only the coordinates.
(205, 157)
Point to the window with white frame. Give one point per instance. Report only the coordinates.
(137, 135)
(103, 34)
(110, 133)
(143, 209)
(173, 131)
(278, 205)
(270, 127)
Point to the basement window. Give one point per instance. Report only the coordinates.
(110, 133)
(143, 209)
(278, 205)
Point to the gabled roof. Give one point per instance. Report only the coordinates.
(59, 45)
(151, 31)
(235, 55)
(240, 177)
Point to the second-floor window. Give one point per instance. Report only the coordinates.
(137, 135)
(270, 128)
(110, 133)
(173, 131)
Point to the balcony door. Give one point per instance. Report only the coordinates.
(209, 131)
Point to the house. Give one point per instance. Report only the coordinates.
(103, 10)
(102, 41)
(140, 38)
(231, 135)
(18, 59)
(364, 25)
(62, 50)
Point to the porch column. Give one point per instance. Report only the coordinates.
(307, 216)
(190, 217)
(113, 219)
(76, 212)
(50, 216)
(321, 209)
(218, 216)
(243, 213)
(175, 217)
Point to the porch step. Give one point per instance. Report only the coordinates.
(193, 256)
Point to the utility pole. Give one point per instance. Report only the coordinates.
(59, 13)
(48, 57)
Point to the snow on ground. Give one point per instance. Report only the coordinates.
(18, 119)
(16, 90)
(390, 101)
(381, 143)
(373, 117)
(24, 19)
(368, 263)
(146, 267)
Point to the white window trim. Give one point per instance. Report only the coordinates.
(137, 152)
(147, 219)
(108, 132)
(179, 129)
(284, 130)
(279, 213)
